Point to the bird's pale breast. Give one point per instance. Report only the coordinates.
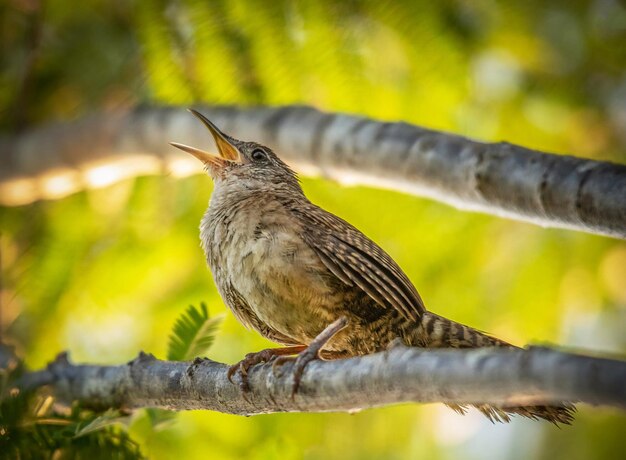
(260, 254)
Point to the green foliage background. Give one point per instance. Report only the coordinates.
(104, 273)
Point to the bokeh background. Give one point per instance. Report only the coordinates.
(104, 273)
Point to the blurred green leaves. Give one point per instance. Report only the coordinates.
(32, 427)
(535, 73)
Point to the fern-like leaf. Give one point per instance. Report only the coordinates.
(193, 334)
(99, 422)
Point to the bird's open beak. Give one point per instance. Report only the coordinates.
(227, 151)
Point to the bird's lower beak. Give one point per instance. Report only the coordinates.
(227, 151)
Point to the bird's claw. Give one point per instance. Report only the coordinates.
(310, 353)
(280, 356)
(251, 359)
(246, 363)
(299, 364)
(302, 360)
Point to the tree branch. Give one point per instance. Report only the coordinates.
(501, 178)
(493, 376)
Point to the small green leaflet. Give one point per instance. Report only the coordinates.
(193, 334)
(160, 418)
(110, 417)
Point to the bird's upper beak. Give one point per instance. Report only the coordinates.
(227, 151)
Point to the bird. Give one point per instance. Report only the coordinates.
(310, 281)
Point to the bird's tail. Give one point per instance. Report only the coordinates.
(435, 331)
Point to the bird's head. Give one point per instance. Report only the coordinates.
(246, 165)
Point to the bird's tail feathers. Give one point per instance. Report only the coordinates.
(435, 331)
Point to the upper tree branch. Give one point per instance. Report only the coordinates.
(500, 178)
(493, 376)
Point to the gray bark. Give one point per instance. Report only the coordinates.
(490, 376)
(500, 178)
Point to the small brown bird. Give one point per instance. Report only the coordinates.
(307, 279)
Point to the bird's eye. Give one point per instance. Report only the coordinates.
(258, 155)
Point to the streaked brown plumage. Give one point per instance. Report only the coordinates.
(287, 268)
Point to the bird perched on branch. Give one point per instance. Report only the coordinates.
(307, 279)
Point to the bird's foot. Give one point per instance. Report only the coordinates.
(258, 357)
(310, 353)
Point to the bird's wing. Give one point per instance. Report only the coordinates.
(357, 260)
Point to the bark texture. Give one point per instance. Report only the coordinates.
(499, 178)
(485, 376)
